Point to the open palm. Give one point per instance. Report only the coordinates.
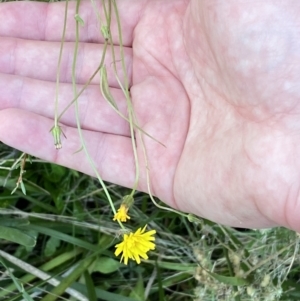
(217, 84)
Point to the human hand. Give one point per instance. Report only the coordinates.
(217, 83)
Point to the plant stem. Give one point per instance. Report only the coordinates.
(59, 63)
(92, 164)
(127, 95)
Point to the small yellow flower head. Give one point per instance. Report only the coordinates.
(121, 214)
(136, 245)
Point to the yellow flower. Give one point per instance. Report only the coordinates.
(121, 214)
(136, 245)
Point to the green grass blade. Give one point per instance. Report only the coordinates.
(65, 237)
(67, 281)
(48, 266)
(17, 236)
(91, 293)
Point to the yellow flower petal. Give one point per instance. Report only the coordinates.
(121, 214)
(136, 245)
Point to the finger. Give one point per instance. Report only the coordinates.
(29, 132)
(44, 21)
(39, 97)
(39, 60)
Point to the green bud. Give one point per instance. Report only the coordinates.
(56, 132)
(79, 20)
(128, 200)
(193, 219)
(105, 32)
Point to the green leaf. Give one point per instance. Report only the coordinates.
(13, 222)
(90, 286)
(177, 266)
(171, 280)
(65, 237)
(23, 187)
(68, 280)
(106, 265)
(17, 283)
(51, 264)
(51, 246)
(59, 202)
(235, 281)
(17, 236)
(56, 174)
(138, 293)
(161, 291)
(79, 19)
(101, 294)
(78, 210)
(105, 89)
(37, 202)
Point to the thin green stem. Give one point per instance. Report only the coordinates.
(92, 164)
(133, 120)
(87, 83)
(148, 183)
(107, 15)
(96, 12)
(59, 64)
(121, 47)
(127, 95)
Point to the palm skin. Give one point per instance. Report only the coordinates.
(217, 84)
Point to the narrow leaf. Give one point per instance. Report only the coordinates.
(138, 292)
(91, 293)
(106, 265)
(235, 281)
(17, 236)
(104, 87)
(23, 187)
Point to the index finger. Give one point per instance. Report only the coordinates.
(44, 21)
